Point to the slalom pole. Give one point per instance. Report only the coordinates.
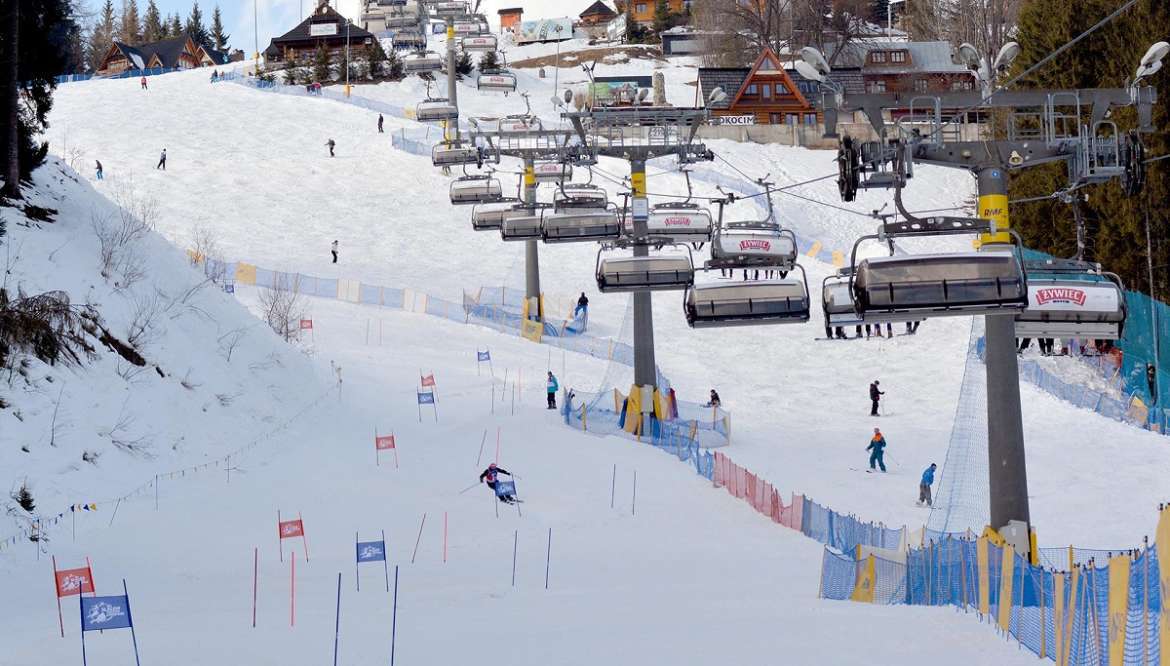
(547, 558)
(394, 618)
(634, 499)
(444, 537)
(357, 578)
(57, 593)
(377, 451)
(292, 604)
(469, 488)
(613, 487)
(419, 539)
(385, 565)
(497, 461)
(478, 458)
(255, 577)
(337, 621)
(155, 502)
(515, 542)
(81, 613)
(279, 536)
(305, 537)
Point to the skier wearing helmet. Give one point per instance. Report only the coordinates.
(490, 475)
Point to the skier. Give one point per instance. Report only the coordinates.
(142, 83)
(878, 446)
(875, 394)
(924, 487)
(552, 390)
(582, 305)
(1151, 381)
(714, 401)
(912, 327)
(162, 160)
(331, 144)
(490, 475)
(380, 124)
(333, 249)
(100, 172)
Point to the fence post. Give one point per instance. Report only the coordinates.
(1043, 619)
(1145, 599)
(963, 564)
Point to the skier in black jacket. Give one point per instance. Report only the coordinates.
(875, 395)
(490, 475)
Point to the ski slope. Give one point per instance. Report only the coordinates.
(252, 167)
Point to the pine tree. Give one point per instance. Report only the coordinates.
(395, 70)
(662, 16)
(101, 36)
(152, 26)
(463, 65)
(25, 499)
(323, 64)
(375, 59)
(176, 26)
(219, 38)
(130, 27)
(489, 61)
(195, 27)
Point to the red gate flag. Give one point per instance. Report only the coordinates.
(384, 442)
(292, 528)
(74, 581)
(306, 324)
(429, 380)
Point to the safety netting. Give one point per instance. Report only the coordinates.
(503, 308)
(1105, 610)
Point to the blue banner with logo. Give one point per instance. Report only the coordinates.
(101, 613)
(371, 551)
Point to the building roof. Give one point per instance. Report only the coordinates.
(167, 51)
(324, 14)
(218, 57)
(730, 79)
(511, 10)
(598, 8)
(925, 58)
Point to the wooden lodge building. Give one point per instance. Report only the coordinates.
(763, 94)
(324, 26)
(175, 53)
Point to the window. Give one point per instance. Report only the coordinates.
(961, 85)
(781, 89)
(640, 8)
(791, 119)
(753, 89)
(921, 85)
(897, 56)
(877, 56)
(807, 87)
(810, 119)
(767, 91)
(878, 86)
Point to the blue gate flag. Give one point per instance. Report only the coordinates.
(505, 488)
(427, 398)
(99, 613)
(483, 355)
(371, 551)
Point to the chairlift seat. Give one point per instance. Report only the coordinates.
(742, 247)
(422, 62)
(479, 43)
(965, 283)
(576, 197)
(432, 111)
(682, 223)
(581, 226)
(1070, 308)
(526, 227)
(552, 172)
(489, 217)
(498, 81)
(398, 21)
(747, 303)
(475, 189)
(445, 9)
(444, 155)
(655, 273)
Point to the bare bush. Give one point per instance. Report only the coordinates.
(118, 235)
(283, 305)
(45, 325)
(207, 252)
(120, 436)
(143, 328)
(229, 341)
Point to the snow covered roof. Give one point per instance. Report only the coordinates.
(925, 57)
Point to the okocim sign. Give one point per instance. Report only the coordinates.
(749, 119)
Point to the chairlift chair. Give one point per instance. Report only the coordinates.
(408, 39)
(837, 302)
(479, 43)
(677, 223)
(448, 8)
(501, 81)
(422, 61)
(455, 154)
(581, 226)
(656, 272)
(1072, 304)
(936, 285)
(578, 196)
(522, 227)
(552, 172)
(491, 216)
(399, 20)
(475, 190)
(435, 110)
(748, 303)
(753, 245)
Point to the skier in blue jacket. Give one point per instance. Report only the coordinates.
(924, 487)
(552, 390)
(878, 446)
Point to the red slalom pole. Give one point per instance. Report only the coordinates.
(255, 577)
(305, 536)
(292, 606)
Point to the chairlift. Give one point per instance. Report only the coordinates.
(422, 61)
(448, 8)
(475, 190)
(578, 196)
(455, 154)
(840, 311)
(500, 81)
(491, 216)
(479, 43)
(552, 172)
(435, 110)
(753, 245)
(522, 227)
(748, 303)
(408, 39)
(936, 285)
(1072, 304)
(656, 272)
(399, 20)
(581, 226)
(677, 223)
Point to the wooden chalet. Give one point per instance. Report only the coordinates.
(510, 18)
(324, 26)
(763, 94)
(175, 53)
(642, 11)
(597, 14)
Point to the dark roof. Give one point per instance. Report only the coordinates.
(598, 8)
(323, 14)
(511, 10)
(219, 57)
(728, 78)
(167, 50)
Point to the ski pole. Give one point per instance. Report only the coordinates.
(469, 487)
